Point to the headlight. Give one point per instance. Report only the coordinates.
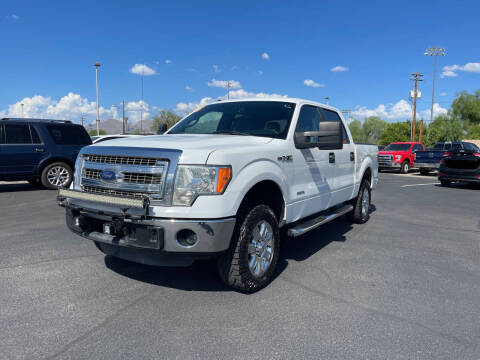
(192, 181)
(398, 158)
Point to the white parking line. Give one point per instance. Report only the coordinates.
(435, 183)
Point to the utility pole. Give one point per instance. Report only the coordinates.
(141, 109)
(416, 78)
(22, 109)
(97, 65)
(124, 126)
(434, 51)
(228, 90)
(421, 131)
(326, 99)
(82, 119)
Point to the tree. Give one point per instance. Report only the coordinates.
(372, 128)
(165, 117)
(356, 131)
(444, 128)
(466, 107)
(393, 132)
(93, 132)
(473, 132)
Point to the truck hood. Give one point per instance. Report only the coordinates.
(195, 147)
(383, 152)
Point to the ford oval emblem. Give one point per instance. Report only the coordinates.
(107, 175)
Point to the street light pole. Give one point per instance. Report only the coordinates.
(97, 65)
(434, 51)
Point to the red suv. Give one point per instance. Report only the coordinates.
(399, 155)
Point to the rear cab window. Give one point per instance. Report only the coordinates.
(68, 135)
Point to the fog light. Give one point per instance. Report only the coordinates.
(187, 237)
(107, 228)
(80, 222)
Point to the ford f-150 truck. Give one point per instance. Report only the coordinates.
(430, 159)
(224, 182)
(399, 155)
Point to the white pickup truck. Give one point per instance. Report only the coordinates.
(223, 183)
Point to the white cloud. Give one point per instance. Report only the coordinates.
(311, 83)
(265, 56)
(260, 72)
(215, 68)
(189, 88)
(451, 70)
(134, 110)
(183, 107)
(443, 94)
(168, 61)
(223, 84)
(142, 69)
(402, 110)
(437, 110)
(14, 17)
(339, 68)
(69, 107)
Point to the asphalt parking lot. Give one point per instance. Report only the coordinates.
(406, 285)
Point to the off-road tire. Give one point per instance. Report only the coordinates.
(44, 178)
(405, 167)
(233, 265)
(357, 215)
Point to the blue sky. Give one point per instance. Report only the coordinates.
(48, 49)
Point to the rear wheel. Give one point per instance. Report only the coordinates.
(249, 263)
(424, 171)
(361, 204)
(445, 183)
(57, 175)
(405, 167)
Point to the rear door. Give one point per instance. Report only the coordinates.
(344, 176)
(20, 155)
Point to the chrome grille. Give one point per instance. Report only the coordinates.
(91, 173)
(104, 191)
(121, 160)
(142, 178)
(385, 157)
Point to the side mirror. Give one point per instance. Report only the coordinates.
(161, 128)
(328, 137)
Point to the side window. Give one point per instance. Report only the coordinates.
(17, 134)
(2, 139)
(448, 146)
(330, 115)
(308, 119)
(35, 136)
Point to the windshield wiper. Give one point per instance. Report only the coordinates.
(230, 132)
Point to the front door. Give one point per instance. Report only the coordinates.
(314, 174)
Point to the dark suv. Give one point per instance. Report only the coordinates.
(40, 151)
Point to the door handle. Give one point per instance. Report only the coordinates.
(39, 150)
(331, 158)
(352, 156)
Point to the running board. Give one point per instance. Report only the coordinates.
(311, 224)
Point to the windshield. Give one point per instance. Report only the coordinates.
(398, 147)
(256, 118)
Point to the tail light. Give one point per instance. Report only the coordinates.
(447, 154)
(476, 154)
(442, 162)
(441, 174)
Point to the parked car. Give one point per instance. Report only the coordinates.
(40, 151)
(100, 138)
(222, 183)
(399, 155)
(429, 159)
(460, 165)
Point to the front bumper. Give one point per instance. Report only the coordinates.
(146, 239)
(458, 175)
(388, 165)
(431, 166)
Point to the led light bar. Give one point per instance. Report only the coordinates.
(104, 199)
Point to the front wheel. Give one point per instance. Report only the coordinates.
(56, 175)
(445, 183)
(249, 263)
(361, 204)
(405, 167)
